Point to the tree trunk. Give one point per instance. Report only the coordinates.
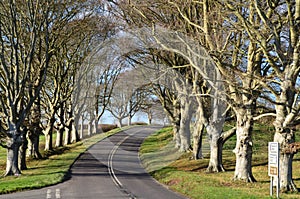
(176, 135)
(285, 114)
(176, 123)
(284, 137)
(215, 124)
(35, 131)
(216, 149)
(214, 131)
(22, 155)
(119, 122)
(149, 118)
(90, 128)
(184, 131)
(197, 140)
(67, 136)
(81, 135)
(243, 149)
(59, 137)
(198, 130)
(12, 163)
(74, 129)
(61, 126)
(33, 145)
(129, 119)
(68, 132)
(74, 133)
(13, 144)
(96, 130)
(48, 137)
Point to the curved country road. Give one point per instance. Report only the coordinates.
(109, 169)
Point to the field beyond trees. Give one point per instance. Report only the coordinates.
(189, 177)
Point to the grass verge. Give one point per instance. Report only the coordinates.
(50, 171)
(184, 175)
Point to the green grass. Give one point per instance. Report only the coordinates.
(188, 176)
(53, 170)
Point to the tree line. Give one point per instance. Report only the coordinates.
(43, 44)
(204, 61)
(59, 68)
(231, 59)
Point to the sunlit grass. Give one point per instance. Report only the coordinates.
(189, 176)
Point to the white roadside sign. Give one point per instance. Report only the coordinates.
(273, 159)
(273, 166)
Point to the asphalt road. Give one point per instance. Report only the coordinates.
(109, 169)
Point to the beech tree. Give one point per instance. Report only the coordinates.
(31, 34)
(71, 35)
(227, 45)
(25, 55)
(106, 78)
(128, 96)
(171, 82)
(216, 38)
(276, 36)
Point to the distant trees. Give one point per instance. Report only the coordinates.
(128, 96)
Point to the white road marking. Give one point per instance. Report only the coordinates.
(48, 194)
(57, 193)
(110, 165)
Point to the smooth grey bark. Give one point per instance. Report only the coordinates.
(90, 128)
(215, 122)
(176, 118)
(74, 133)
(22, 151)
(48, 132)
(149, 115)
(243, 149)
(119, 122)
(81, 129)
(33, 144)
(198, 133)
(284, 137)
(197, 140)
(185, 120)
(14, 142)
(34, 131)
(67, 137)
(59, 136)
(285, 115)
(96, 130)
(73, 122)
(215, 160)
(129, 119)
(69, 133)
(176, 135)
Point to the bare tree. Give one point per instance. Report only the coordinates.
(276, 36)
(226, 44)
(25, 55)
(128, 96)
(71, 36)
